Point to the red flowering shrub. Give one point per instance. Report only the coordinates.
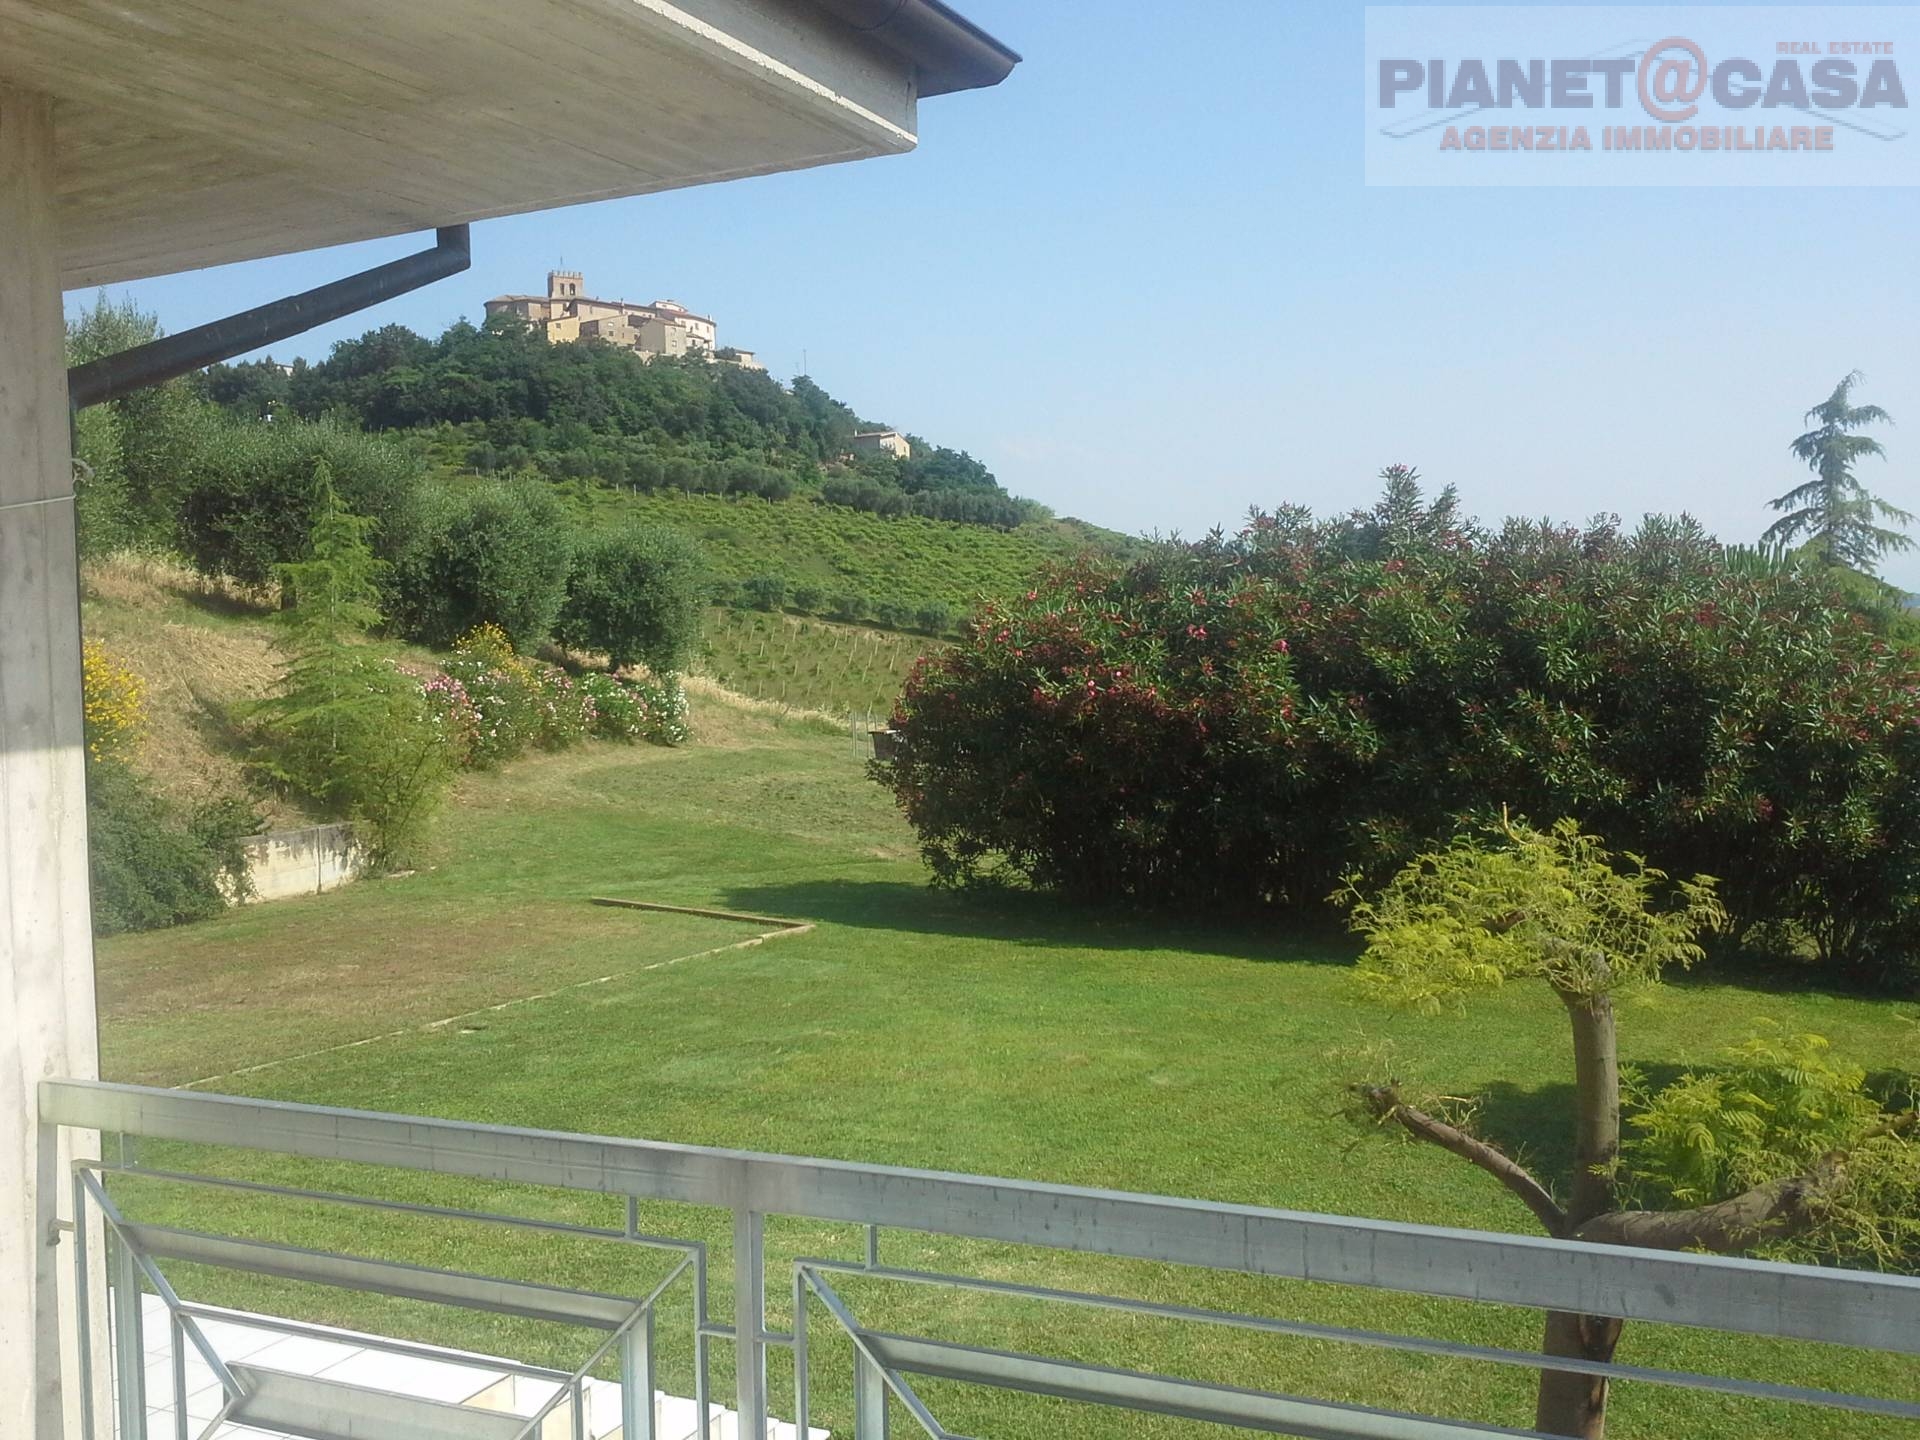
(1245, 719)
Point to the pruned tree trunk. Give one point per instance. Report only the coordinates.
(1576, 1405)
(1570, 1404)
(1596, 1102)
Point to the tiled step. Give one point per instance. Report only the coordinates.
(278, 1401)
(674, 1416)
(345, 1369)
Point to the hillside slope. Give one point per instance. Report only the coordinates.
(202, 651)
(764, 475)
(199, 650)
(906, 560)
(809, 663)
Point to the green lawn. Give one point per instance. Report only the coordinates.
(1015, 1038)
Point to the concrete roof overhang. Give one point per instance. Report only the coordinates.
(200, 132)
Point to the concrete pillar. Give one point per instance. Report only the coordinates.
(46, 944)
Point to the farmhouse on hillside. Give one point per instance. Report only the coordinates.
(882, 442)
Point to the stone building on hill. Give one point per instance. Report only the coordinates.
(665, 327)
(889, 442)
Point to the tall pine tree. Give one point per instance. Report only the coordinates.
(348, 729)
(1833, 512)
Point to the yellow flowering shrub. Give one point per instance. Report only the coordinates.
(116, 709)
(486, 641)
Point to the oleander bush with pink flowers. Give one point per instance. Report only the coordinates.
(451, 708)
(493, 704)
(633, 708)
(563, 710)
(503, 690)
(1247, 719)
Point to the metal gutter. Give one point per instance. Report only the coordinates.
(176, 355)
(949, 51)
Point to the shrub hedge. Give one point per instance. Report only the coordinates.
(244, 492)
(636, 593)
(1246, 719)
(151, 866)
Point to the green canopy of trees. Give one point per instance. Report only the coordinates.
(1781, 1150)
(638, 594)
(497, 552)
(501, 398)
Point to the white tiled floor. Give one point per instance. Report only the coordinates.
(456, 1379)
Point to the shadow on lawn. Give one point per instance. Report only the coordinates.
(1775, 974)
(1535, 1124)
(1025, 918)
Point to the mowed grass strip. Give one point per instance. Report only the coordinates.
(1016, 1038)
(267, 982)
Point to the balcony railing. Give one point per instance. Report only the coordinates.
(1744, 1297)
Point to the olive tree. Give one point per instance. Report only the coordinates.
(1836, 1174)
(638, 593)
(498, 552)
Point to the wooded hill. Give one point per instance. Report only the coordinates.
(500, 398)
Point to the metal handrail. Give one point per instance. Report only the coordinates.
(1754, 1297)
(88, 1187)
(692, 1252)
(303, 1329)
(812, 1268)
(1741, 1296)
(627, 1321)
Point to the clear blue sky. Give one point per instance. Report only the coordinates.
(1145, 282)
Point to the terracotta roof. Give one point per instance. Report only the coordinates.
(624, 306)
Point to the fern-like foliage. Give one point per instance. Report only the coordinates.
(1779, 1106)
(1524, 903)
(347, 729)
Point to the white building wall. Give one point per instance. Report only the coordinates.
(47, 1025)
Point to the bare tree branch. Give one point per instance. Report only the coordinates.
(1383, 1102)
(1774, 1211)
(1777, 1210)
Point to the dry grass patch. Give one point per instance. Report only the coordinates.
(156, 581)
(200, 649)
(720, 716)
(256, 987)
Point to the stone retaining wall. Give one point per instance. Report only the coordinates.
(302, 862)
